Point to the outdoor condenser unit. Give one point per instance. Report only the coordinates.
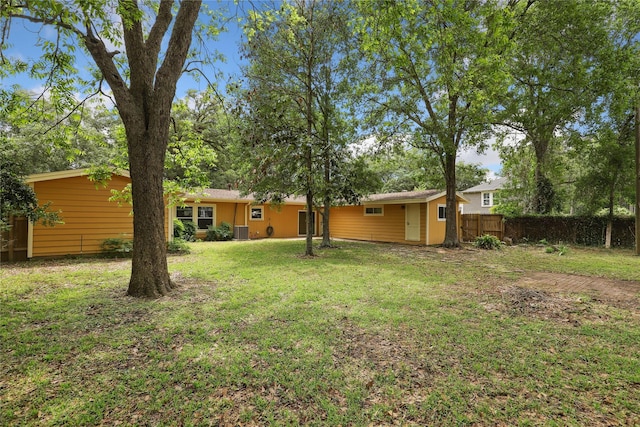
(241, 232)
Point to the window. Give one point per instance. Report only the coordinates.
(184, 213)
(205, 217)
(373, 210)
(257, 213)
(487, 200)
(202, 216)
(442, 212)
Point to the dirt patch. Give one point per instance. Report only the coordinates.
(617, 292)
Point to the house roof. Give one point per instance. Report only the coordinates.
(48, 176)
(496, 184)
(408, 197)
(215, 194)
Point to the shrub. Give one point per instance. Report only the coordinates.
(185, 230)
(222, 232)
(117, 247)
(487, 241)
(178, 246)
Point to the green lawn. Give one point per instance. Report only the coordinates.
(366, 334)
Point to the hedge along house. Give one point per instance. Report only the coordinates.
(87, 214)
(249, 218)
(412, 217)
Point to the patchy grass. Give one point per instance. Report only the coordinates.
(367, 334)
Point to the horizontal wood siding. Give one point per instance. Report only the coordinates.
(283, 219)
(232, 213)
(349, 222)
(438, 229)
(89, 217)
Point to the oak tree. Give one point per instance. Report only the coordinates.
(155, 39)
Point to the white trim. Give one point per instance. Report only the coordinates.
(170, 217)
(427, 225)
(251, 218)
(440, 205)
(482, 204)
(194, 213)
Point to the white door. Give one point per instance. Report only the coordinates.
(412, 220)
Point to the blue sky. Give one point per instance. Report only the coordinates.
(24, 36)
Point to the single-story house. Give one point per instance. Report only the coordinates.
(411, 217)
(89, 216)
(251, 220)
(482, 197)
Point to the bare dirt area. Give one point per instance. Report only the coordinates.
(597, 287)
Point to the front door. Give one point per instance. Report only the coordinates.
(412, 220)
(302, 223)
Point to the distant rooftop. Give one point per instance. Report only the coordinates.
(496, 184)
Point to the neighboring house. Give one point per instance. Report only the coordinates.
(483, 197)
(412, 217)
(89, 216)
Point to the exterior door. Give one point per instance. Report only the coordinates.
(412, 221)
(302, 223)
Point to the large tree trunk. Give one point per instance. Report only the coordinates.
(144, 101)
(451, 225)
(149, 270)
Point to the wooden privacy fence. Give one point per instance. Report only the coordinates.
(475, 225)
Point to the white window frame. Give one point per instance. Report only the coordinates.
(482, 201)
(184, 218)
(440, 218)
(195, 214)
(373, 212)
(261, 209)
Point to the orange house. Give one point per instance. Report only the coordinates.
(89, 217)
(250, 219)
(411, 217)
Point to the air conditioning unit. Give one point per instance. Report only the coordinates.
(241, 232)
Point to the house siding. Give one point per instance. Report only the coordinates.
(475, 203)
(349, 222)
(89, 217)
(283, 218)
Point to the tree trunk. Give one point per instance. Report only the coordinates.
(326, 235)
(144, 104)
(149, 270)
(638, 178)
(310, 223)
(451, 225)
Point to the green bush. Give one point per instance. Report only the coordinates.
(178, 246)
(116, 246)
(185, 230)
(487, 242)
(222, 232)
